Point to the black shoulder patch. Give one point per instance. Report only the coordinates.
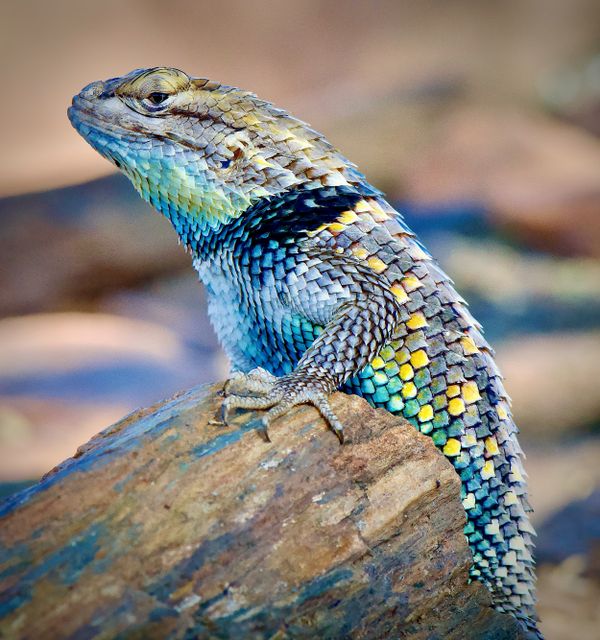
(283, 219)
(286, 217)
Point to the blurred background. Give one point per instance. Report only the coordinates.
(481, 120)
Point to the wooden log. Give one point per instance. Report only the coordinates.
(167, 526)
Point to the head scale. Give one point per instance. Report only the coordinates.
(199, 151)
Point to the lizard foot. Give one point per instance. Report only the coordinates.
(253, 385)
(278, 395)
(256, 382)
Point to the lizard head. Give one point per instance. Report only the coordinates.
(199, 150)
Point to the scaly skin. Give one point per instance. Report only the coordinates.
(315, 283)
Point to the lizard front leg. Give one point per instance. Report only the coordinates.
(357, 330)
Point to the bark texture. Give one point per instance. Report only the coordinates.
(167, 526)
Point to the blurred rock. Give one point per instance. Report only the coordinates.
(60, 342)
(568, 601)
(560, 473)
(587, 117)
(65, 375)
(513, 292)
(567, 520)
(553, 382)
(508, 277)
(573, 92)
(66, 247)
(592, 569)
(573, 530)
(48, 430)
(385, 139)
(537, 176)
(177, 302)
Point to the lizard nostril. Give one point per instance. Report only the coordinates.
(92, 90)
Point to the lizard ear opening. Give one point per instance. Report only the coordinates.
(236, 147)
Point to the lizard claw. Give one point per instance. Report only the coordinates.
(332, 420)
(265, 430)
(244, 402)
(280, 397)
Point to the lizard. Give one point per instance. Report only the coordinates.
(316, 283)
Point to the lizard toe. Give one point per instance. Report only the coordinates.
(246, 402)
(312, 396)
(278, 396)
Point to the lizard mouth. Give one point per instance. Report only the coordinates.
(91, 124)
(84, 117)
(97, 130)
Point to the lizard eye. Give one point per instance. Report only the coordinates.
(157, 98)
(156, 101)
(151, 91)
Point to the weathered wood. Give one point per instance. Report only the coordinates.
(165, 526)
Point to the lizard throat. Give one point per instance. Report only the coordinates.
(195, 208)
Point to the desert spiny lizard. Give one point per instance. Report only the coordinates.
(316, 283)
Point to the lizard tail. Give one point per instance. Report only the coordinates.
(446, 383)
